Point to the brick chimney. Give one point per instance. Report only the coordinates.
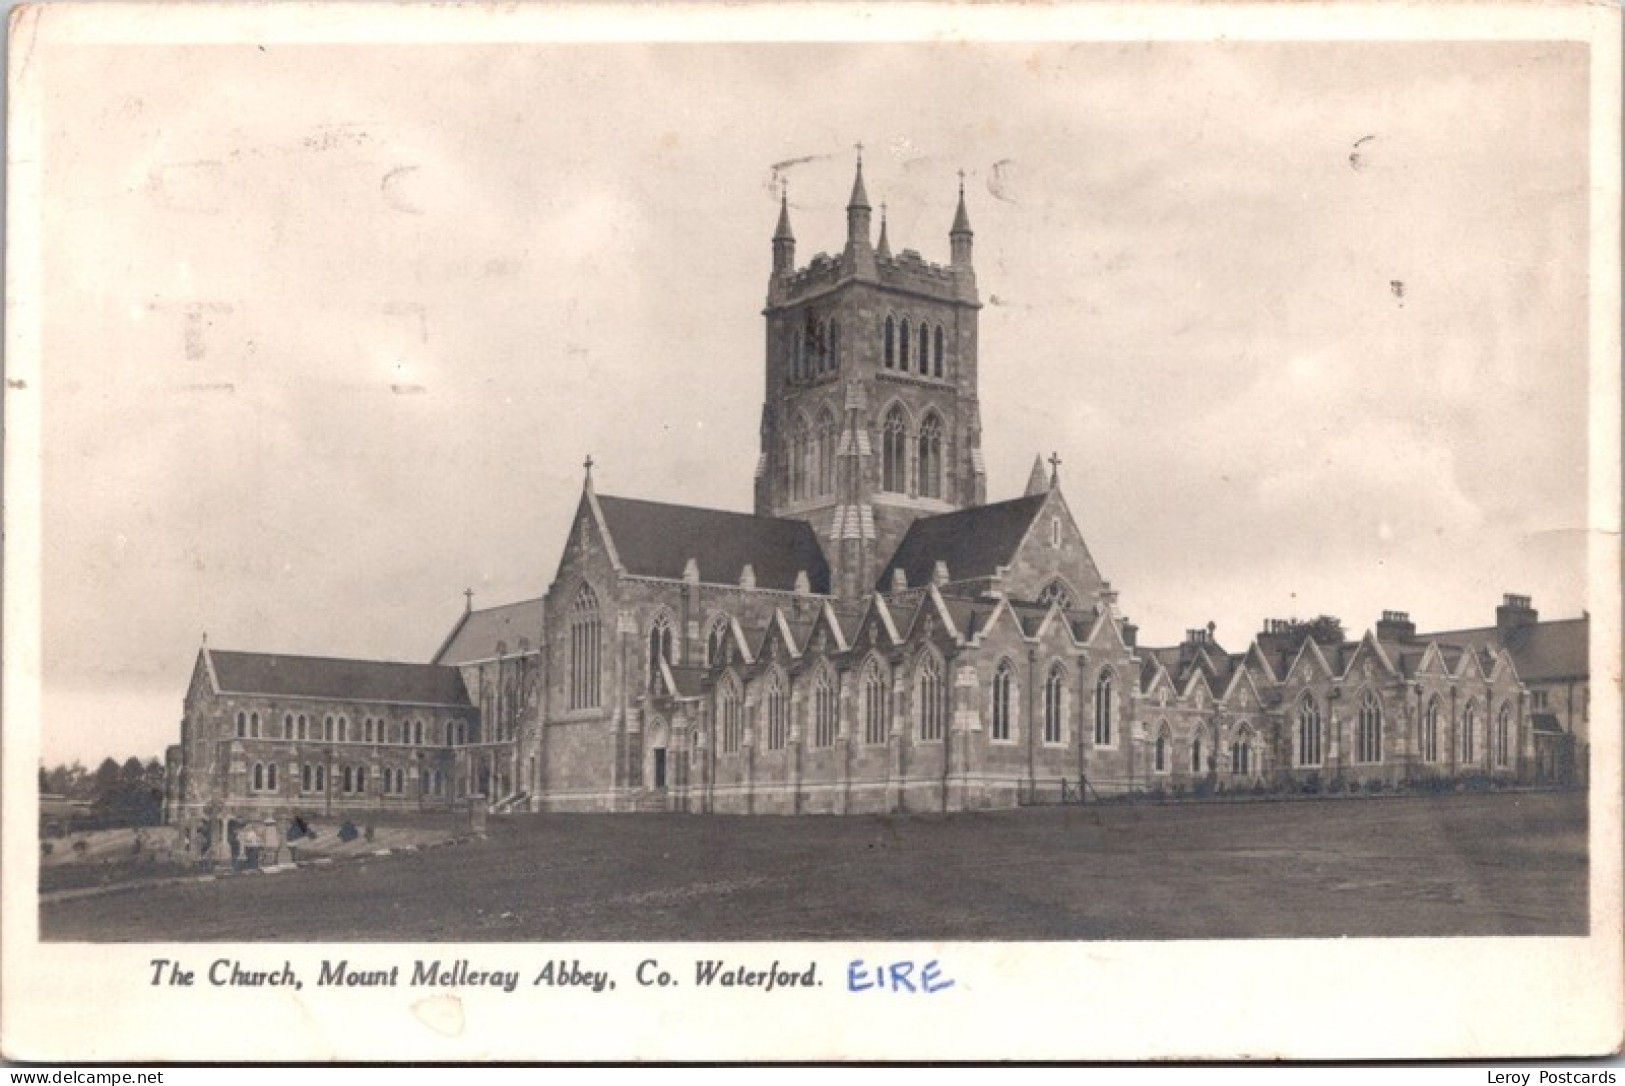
(1515, 611)
(1396, 626)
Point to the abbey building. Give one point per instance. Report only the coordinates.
(877, 636)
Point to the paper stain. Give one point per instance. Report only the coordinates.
(16, 382)
(441, 1013)
(408, 390)
(393, 189)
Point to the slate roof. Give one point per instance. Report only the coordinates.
(973, 542)
(324, 677)
(477, 635)
(1541, 651)
(654, 539)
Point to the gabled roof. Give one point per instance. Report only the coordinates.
(478, 634)
(276, 675)
(1541, 651)
(972, 542)
(654, 539)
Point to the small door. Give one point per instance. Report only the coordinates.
(660, 767)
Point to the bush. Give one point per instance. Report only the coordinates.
(1311, 785)
(1336, 786)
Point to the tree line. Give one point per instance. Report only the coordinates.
(130, 794)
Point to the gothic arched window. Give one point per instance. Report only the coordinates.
(1469, 730)
(876, 717)
(1105, 706)
(1241, 752)
(242, 725)
(1368, 734)
(936, 360)
(259, 777)
(799, 456)
(905, 340)
(1198, 763)
(1159, 760)
(930, 461)
(894, 452)
(1430, 731)
(777, 714)
(1503, 736)
(823, 710)
(1308, 730)
(933, 699)
(1001, 700)
(730, 715)
(925, 349)
(832, 344)
(1055, 705)
(824, 442)
(659, 645)
(585, 649)
(889, 349)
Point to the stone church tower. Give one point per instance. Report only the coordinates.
(870, 418)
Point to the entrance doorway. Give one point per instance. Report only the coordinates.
(655, 736)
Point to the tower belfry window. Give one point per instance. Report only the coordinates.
(903, 342)
(925, 349)
(832, 356)
(936, 361)
(894, 452)
(824, 444)
(889, 347)
(930, 461)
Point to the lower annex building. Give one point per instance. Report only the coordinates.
(876, 636)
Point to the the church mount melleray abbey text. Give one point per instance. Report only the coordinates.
(876, 637)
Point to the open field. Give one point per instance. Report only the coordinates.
(1492, 864)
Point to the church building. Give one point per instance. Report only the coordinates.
(876, 636)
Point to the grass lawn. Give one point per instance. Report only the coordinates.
(1492, 864)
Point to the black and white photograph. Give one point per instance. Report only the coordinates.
(525, 521)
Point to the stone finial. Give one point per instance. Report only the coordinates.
(747, 576)
(899, 579)
(691, 572)
(803, 583)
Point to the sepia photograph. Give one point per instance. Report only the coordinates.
(858, 524)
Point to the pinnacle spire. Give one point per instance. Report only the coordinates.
(860, 197)
(883, 247)
(1038, 480)
(961, 216)
(783, 233)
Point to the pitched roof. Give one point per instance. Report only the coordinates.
(477, 635)
(1541, 651)
(325, 677)
(973, 542)
(654, 539)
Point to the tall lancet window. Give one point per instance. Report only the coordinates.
(1368, 736)
(936, 360)
(931, 457)
(832, 358)
(889, 349)
(585, 649)
(659, 646)
(894, 452)
(905, 339)
(825, 444)
(799, 449)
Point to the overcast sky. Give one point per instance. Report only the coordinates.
(329, 330)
